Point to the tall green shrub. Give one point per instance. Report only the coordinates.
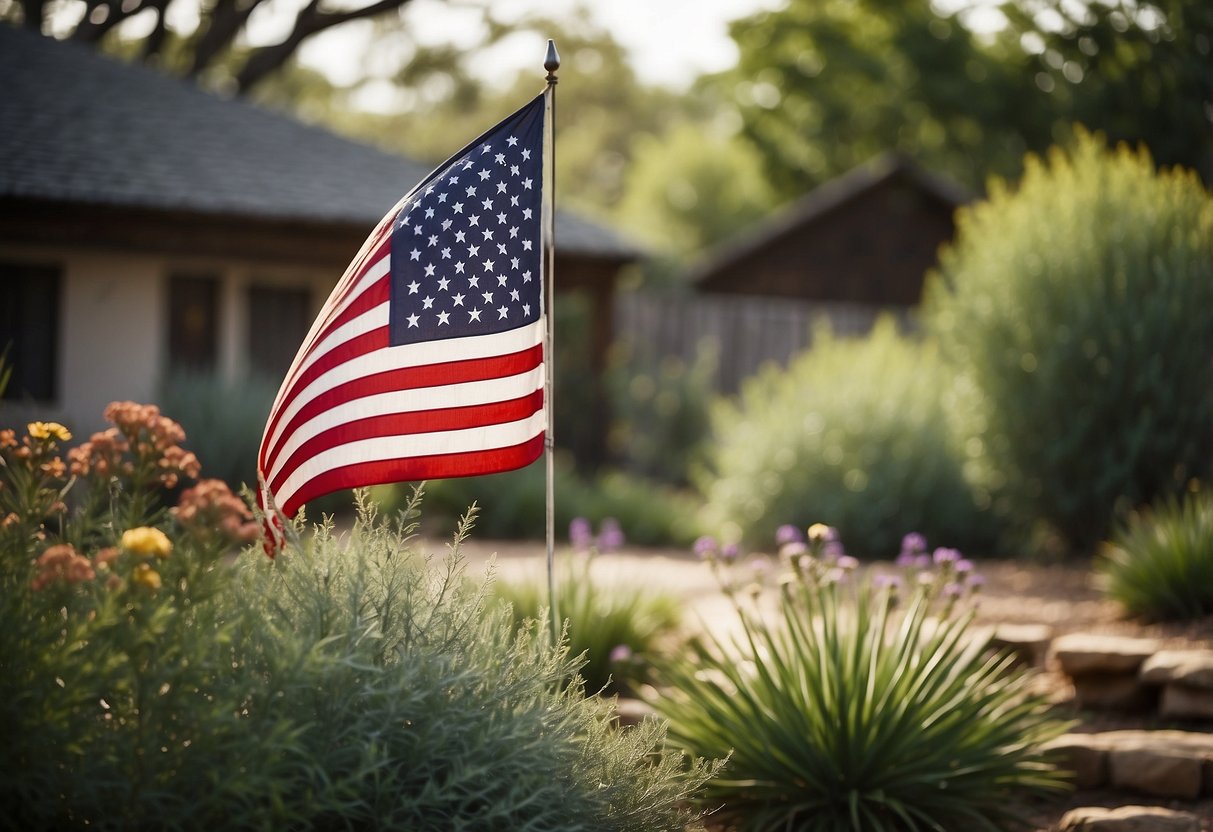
(853, 432)
(1077, 308)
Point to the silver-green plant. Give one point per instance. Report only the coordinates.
(1159, 563)
(1077, 310)
(149, 679)
(856, 702)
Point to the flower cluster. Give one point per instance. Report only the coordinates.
(30, 489)
(211, 507)
(610, 536)
(141, 431)
(61, 563)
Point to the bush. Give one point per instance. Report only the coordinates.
(1159, 563)
(513, 505)
(661, 410)
(1078, 311)
(842, 714)
(616, 626)
(223, 421)
(853, 431)
(148, 680)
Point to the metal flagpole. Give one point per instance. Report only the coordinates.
(551, 63)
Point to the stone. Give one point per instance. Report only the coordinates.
(1081, 654)
(1029, 643)
(1084, 755)
(1128, 819)
(1184, 702)
(1193, 668)
(1112, 692)
(1156, 771)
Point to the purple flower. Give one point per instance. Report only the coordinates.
(706, 547)
(787, 533)
(963, 566)
(730, 552)
(620, 653)
(581, 535)
(881, 581)
(610, 535)
(906, 558)
(922, 561)
(975, 581)
(953, 590)
(846, 562)
(833, 551)
(943, 556)
(913, 543)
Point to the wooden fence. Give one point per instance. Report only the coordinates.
(745, 332)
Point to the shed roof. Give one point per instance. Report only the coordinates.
(823, 201)
(85, 129)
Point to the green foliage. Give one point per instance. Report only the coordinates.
(1159, 564)
(349, 683)
(1078, 311)
(513, 504)
(853, 431)
(614, 625)
(1137, 72)
(661, 410)
(223, 422)
(840, 712)
(825, 85)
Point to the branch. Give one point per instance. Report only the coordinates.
(310, 21)
(225, 22)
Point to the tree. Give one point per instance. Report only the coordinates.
(1139, 72)
(824, 85)
(212, 44)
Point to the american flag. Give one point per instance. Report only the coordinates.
(427, 359)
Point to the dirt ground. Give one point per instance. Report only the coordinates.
(1062, 596)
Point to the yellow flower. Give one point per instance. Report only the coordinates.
(146, 541)
(144, 575)
(819, 532)
(48, 430)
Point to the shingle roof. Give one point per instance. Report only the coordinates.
(78, 127)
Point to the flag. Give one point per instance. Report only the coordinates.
(427, 359)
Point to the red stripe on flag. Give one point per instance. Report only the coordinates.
(406, 378)
(400, 424)
(438, 466)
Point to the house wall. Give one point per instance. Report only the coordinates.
(113, 325)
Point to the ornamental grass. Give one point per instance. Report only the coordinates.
(855, 701)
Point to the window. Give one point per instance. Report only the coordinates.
(279, 320)
(29, 329)
(193, 321)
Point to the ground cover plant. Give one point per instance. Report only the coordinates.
(857, 702)
(615, 625)
(1077, 310)
(152, 678)
(853, 431)
(1159, 562)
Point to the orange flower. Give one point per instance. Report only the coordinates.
(62, 563)
(8, 439)
(53, 467)
(106, 556)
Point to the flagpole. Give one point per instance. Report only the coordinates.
(551, 63)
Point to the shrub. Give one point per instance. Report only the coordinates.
(614, 625)
(853, 431)
(149, 680)
(513, 504)
(841, 714)
(223, 421)
(661, 410)
(1078, 311)
(1159, 563)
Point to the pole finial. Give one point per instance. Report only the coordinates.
(551, 61)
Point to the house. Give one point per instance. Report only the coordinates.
(147, 226)
(851, 249)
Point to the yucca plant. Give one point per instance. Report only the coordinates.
(842, 711)
(614, 626)
(1159, 564)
